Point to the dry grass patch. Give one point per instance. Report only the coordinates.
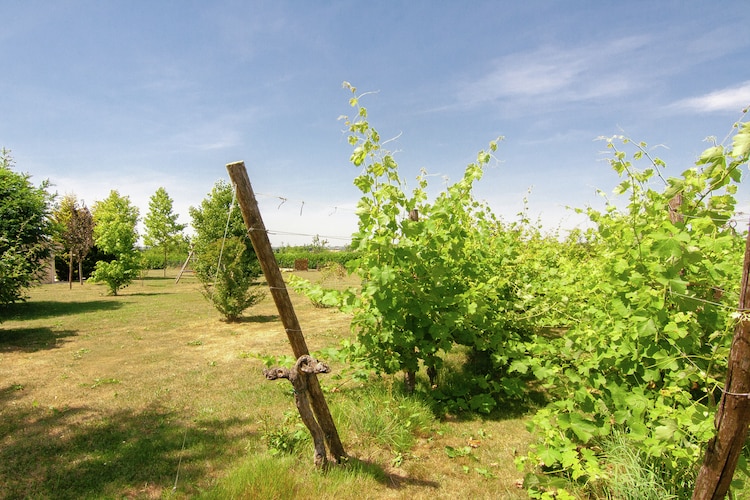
(150, 394)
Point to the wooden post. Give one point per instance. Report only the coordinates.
(259, 237)
(298, 376)
(179, 275)
(733, 414)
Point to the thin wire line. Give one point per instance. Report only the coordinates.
(226, 230)
(736, 218)
(284, 199)
(290, 233)
(738, 394)
(287, 233)
(704, 301)
(179, 462)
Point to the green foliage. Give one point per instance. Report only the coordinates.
(286, 257)
(118, 273)
(232, 289)
(162, 228)
(115, 220)
(216, 214)
(435, 275)
(426, 268)
(25, 228)
(289, 437)
(225, 262)
(153, 258)
(626, 327)
(647, 338)
(386, 417)
(321, 296)
(74, 232)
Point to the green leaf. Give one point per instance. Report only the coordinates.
(582, 428)
(519, 366)
(645, 326)
(483, 403)
(358, 156)
(711, 155)
(667, 248)
(638, 431)
(741, 141)
(665, 431)
(363, 183)
(549, 456)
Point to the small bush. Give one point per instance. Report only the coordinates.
(288, 438)
(231, 286)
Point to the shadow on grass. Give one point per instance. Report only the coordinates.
(24, 311)
(77, 453)
(258, 318)
(461, 394)
(32, 339)
(10, 392)
(389, 479)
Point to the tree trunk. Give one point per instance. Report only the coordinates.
(410, 381)
(70, 271)
(733, 414)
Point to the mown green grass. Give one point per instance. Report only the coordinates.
(150, 394)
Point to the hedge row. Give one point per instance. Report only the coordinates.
(315, 260)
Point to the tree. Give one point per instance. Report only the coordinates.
(225, 262)
(115, 233)
(75, 233)
(162, 228)
(25, 227)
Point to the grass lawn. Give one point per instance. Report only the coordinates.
(150, 394)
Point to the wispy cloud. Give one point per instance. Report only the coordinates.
(577, 74)
(727, 99)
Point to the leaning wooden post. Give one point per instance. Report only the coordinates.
(262, 245)
(733, 414)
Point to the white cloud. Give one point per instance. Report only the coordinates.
(546, 73)
(728, 99)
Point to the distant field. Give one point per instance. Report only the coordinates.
(150, 394)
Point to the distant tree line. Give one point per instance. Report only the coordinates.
(101, 243)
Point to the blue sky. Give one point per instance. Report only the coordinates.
(134, 95)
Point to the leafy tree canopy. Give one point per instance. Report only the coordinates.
(226, 263)
(162, 228)
(25, 227)
(74, 231)
(115, 220)
(210, 218)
